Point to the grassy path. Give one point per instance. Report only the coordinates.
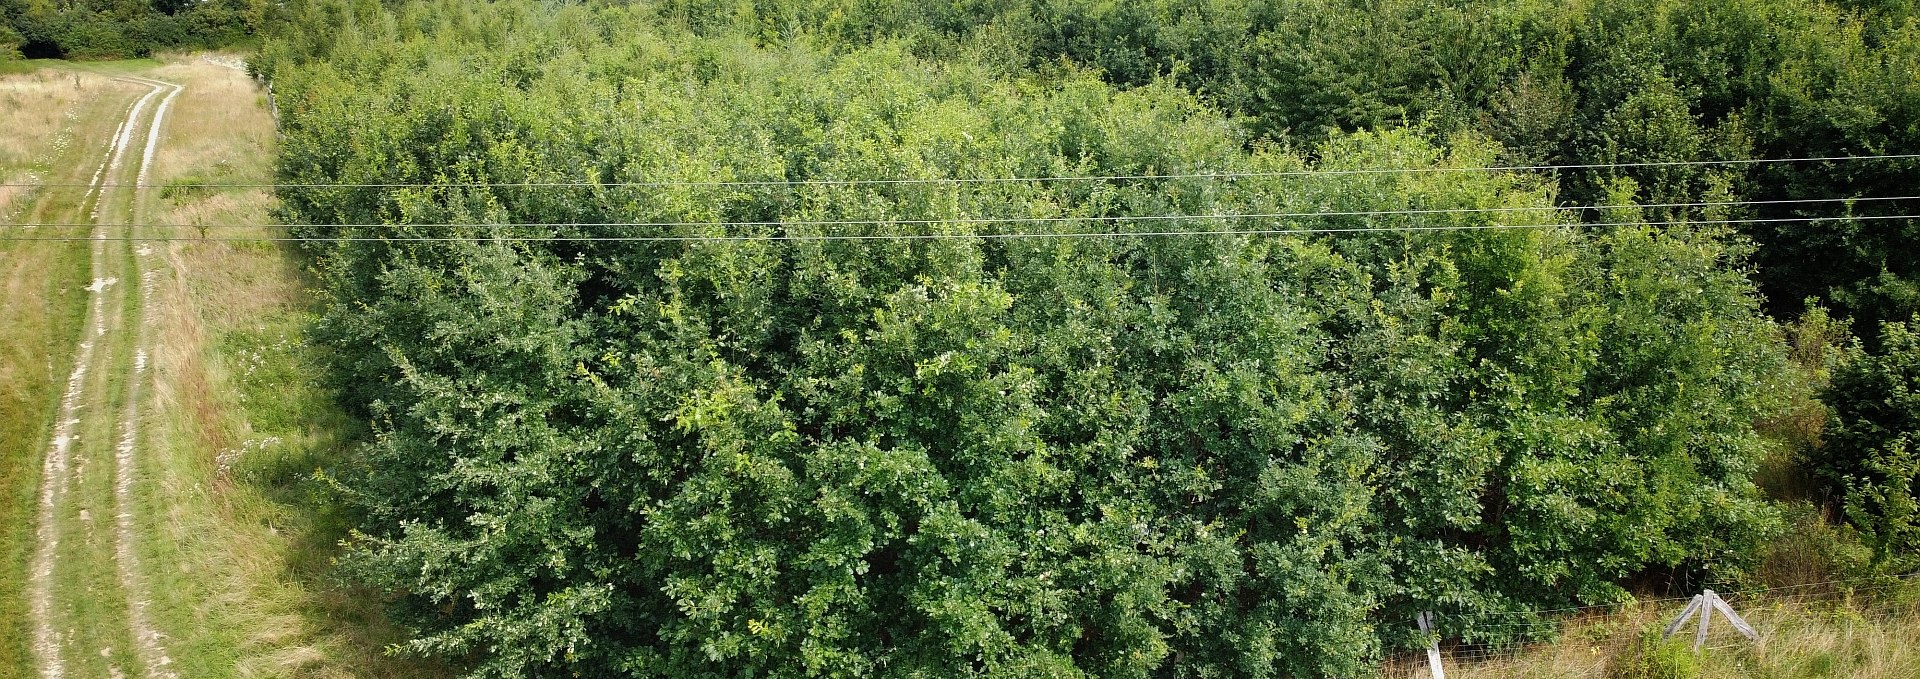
(68, 126)
(76, 559)
(159, 425)
(133, 584)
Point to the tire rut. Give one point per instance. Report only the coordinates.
(126, 464)
(93, 360)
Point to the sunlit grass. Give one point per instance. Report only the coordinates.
(1872, 634)
(54, 126)
(1818, 607)
(243, 421)
(41, 113)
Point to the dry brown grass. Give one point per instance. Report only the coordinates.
(38, 112)
(227, 139)
(231, 135)
(1586, 648)
(1872, 633)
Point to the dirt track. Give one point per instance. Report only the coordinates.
(83, 476)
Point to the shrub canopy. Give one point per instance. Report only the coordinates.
(748, 445)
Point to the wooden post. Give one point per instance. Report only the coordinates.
(1705, 604)
(1739, 623)
(1425, 620)
(1706, 616)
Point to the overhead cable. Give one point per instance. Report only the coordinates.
(961, 235)
(1020, 220)
(997, 180)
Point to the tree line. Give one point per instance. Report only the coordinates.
(1553, 82)
(754, 445)
(124, 29)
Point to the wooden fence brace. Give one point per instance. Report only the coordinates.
(1692, 607)
(1425, 620)
(1706, 616)
(1739, 624)
(1705, 604)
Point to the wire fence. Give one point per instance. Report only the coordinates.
(1599, 641)
(947, 228)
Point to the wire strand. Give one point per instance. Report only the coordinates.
(960, 236)
(1758, 595)
(1008, 180)
(1035, 220)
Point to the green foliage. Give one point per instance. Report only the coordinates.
(1884, 505)
(10, 43)
(1870, 445)
(1568, 83)
(978, 454)
(1651, 657)
(121, 29)
(1814, 549)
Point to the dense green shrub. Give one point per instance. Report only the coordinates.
(1566, 83)
(121, 29)
(1641, 81)
(10, 41)
(1870, 455)
(1204, 455)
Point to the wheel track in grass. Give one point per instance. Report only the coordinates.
(56, 473)
(126, 465)
(87, 397)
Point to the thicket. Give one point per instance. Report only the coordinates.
(1873, 443)
(1659, 81)
(979, 453)
(122, 29)
(1554, 82)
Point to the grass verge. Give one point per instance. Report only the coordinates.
(1866, 632)
(239, 536)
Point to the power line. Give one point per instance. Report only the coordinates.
(1002, 180)
(1019, 220)
(958, 236)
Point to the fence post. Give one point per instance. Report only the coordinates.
(1706, 616)
(1739, 624)
(1425, 620)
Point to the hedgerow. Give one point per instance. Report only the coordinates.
(752, 450)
